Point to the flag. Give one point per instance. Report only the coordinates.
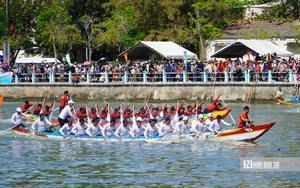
(11, 29)
(126, 57)
(68, 59)
(253, 53)
(1, 100)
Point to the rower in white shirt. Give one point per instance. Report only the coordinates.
(177, 125)
(208, 121)
(80, 127)
(151, 128)
(137, 128)
(217, 124)
(198, 125)
(109, 129)
(16, 118)
(123, 129)
(41, 124)
(165, 127)
(94, 129)
(183, 126)
(66, 129)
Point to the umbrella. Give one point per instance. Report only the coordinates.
(103, 59)
(87, 63)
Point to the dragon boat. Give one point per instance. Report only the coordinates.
(288, 102)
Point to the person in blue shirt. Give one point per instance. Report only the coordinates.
(293, 97)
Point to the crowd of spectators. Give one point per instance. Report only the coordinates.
(173, 69)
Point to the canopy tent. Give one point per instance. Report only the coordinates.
(146, 49)
(240, 48)
(35, 60)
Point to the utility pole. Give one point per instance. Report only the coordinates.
(6, 49)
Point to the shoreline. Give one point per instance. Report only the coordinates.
(230, 91)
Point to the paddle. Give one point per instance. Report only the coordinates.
(229, 112)
(31, 107)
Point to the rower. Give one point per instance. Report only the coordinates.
(41, 123)
(37, 109)
(151, 128)
(16, 118)
(214, 106)
(166, 127)
(217, 124)
(94, 129)
(198, 125)
(123, 129)
(279, 94)
(80, 127)
(66, 129)
(244, 119)
(137, 128)
(208, 120)
(26, 106)
(183, 127)
(109, 129)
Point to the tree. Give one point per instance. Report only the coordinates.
(92, 29)
(121, 29)
(3, 28)
(50, 25)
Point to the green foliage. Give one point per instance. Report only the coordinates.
(3, 28)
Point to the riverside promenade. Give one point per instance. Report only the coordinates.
(231, 91)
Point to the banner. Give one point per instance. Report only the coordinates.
(68, 59)
(6, 78)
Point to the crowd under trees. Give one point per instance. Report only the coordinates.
(55, 27)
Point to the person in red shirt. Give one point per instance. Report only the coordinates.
(47, 110)
(214, 106)
(93, 113)
(115, 114)
(26, 106)
(63, 101)
(127, 113)
(81, 113)
(243, 118)
(190, 111)
(37, 109)
(171, 112)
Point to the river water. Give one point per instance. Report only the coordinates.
(32, 162)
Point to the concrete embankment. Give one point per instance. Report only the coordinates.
(139, 91)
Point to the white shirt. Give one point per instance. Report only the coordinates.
(150, 131)
(66, 112)
(164, 129)
(216, 126)
(180, 126)
(136, 131)
(207, 122)
(92, 130)
(122, 131)
(107, 130)
(197, 126)
(79, 129)
(17, 118)
(66, 129)
(41, 125)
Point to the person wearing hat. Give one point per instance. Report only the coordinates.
(66, 112)
(279, 94)
(16, 118)
(183, 126)
(63, 101)
(66, 128)
(109, 129)
(165, 127)
(151, 128)
(94, 128)
(137, 128)
(41, 124)
(214, 106)
(208, 120)
(198, 125)
(218, 124)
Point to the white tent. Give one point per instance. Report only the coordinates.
(239, 48)
(35, 60)
(169, 50)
